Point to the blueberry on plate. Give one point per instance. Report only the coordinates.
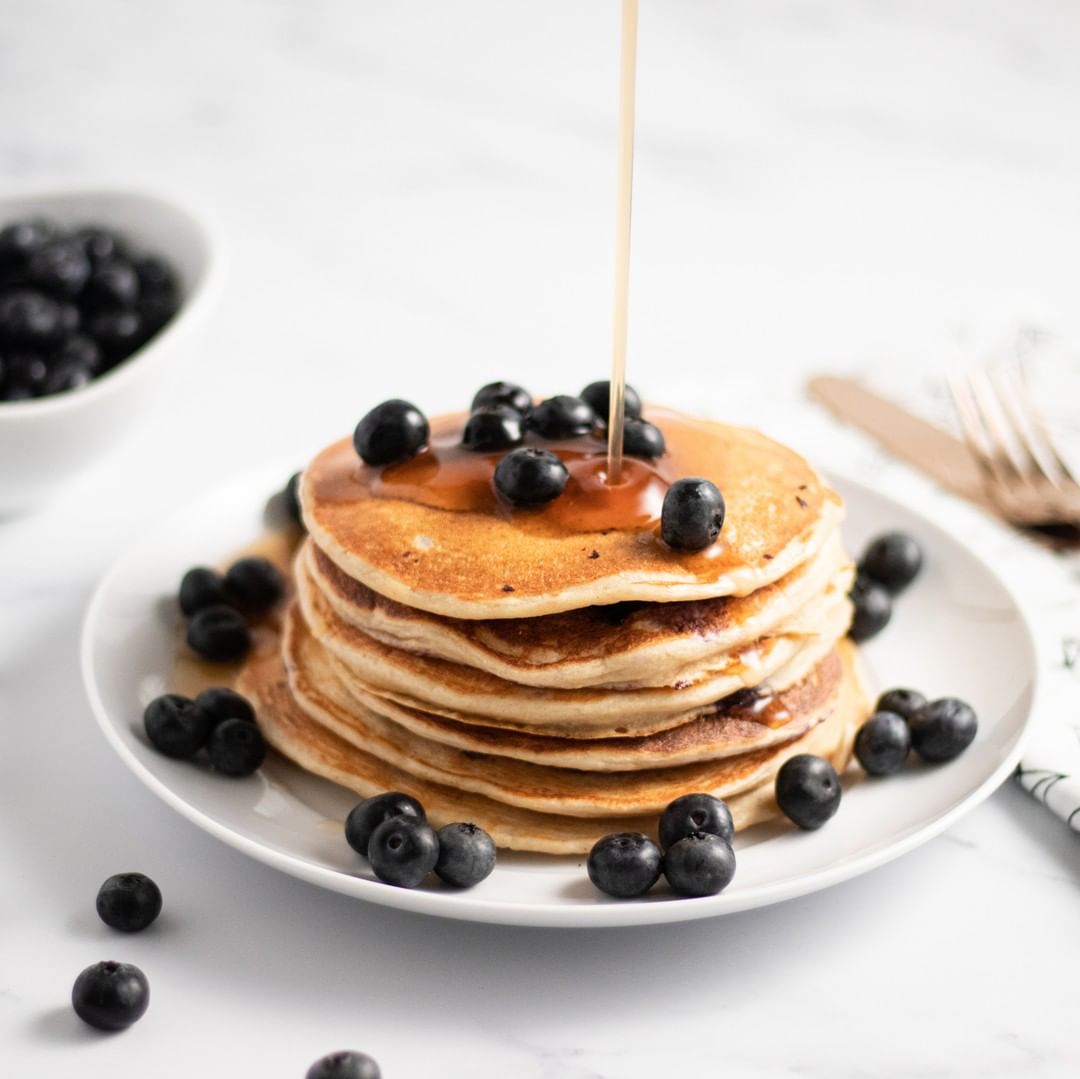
(219, 704)
(128, 902)
(808, 790)
(255, 584)
(893, 560)
(530, 477)
(873, 608)
(26, 374)
(156, 279)
(692, 514)
(883, 743)
(503, 393)
(219, 634)
(201, 587)
(902, 702)
(403, 850)
(291, 495)
(561, 417)
(493, 427)
(60, 268)
(643, 439)
(175, 726)
(236, 748)
(20, 239)
(344, 1065)
(112, 285)
(466, 855)
(699, 864)
(597, 395)
(393, 431)
(943, 729)
(624, 864)
(111, 996)
(695, 813)
(73, 366)
(29, 318)
(367, 815)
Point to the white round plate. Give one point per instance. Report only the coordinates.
(957, 631)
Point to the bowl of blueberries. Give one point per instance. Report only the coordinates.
(100, 291)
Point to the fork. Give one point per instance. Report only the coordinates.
(1023, 473)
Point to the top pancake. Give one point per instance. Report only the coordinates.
(494, 563)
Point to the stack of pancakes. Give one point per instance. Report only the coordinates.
(553, 685)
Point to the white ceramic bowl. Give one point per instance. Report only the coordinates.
(46, 441)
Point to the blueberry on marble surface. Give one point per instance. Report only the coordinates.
(111, 995)
(128, 902)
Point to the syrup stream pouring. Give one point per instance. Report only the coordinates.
(624, 191)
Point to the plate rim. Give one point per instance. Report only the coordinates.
(599, 915)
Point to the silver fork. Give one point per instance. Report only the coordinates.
(1023, 473)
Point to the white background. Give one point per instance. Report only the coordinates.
(418, 198)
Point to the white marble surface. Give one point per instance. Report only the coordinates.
(418, 198)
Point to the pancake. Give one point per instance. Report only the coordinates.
(315, 748)
(588, 786)
(459, 692)
(491, 563)
(628, 644)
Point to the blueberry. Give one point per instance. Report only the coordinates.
(530, 477)
(26, 375)
(403, 850)
(156, 278)
(99, 244)
(28, 318)
(695, 813)
(503, 393)
(112, 284)
(128, 902)
(201, 587)
(291, 495)
(60, 268)
(69, 318)
(392, 431)
(110, 996)
(219, 634)
(344, 1065)
(75, 363)
(808, 790)
(175, 726)
(19, 240)
(903, 702)
(466, 855)
(119, 333)
(643, 439)
(692, 515)
(219, 704)
(893, 560)
(154, 312)
(493, 427)
(236, 748)
(256, 584)
(699, 864)
(883, 743)
(943, 729)
(561, 417)
(625, 864)
(367, 815)
(597, 395)
(873, 609)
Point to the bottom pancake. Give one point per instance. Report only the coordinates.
(317, 749)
